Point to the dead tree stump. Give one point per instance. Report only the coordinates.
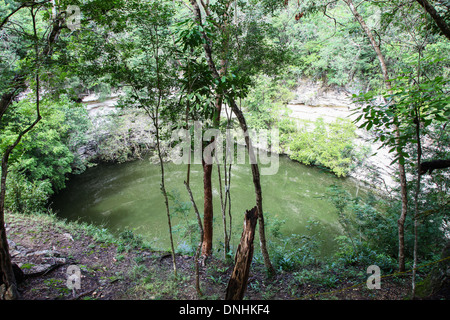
(243, 259)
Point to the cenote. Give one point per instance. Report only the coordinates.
(127, 196)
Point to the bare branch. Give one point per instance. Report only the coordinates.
(24, 5)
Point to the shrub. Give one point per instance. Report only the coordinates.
(328, 145)
(363, 255)
(25, 196)
(40, 162)
(291, 252)
(128, 240)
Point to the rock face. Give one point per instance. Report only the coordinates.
(89, 150)
(313, 102)
(314, 94)
(116, 134)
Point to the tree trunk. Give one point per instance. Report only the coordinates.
(417, 108)
(155, 119)
(416, 202)
(243, 125)
(258, 191)
(8, 281)
(402, 219)
(401, 168)
(243, 259)
(6, 269)
(207, 210)
(223, 205)
(199, 247)
(164, 192)
(443, 26)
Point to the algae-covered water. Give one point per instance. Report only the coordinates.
(128, 196)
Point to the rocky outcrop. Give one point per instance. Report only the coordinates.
(131, 134)
(89, 151)
(315, 94)
(31, 263)
(313, 101)
(116, 134)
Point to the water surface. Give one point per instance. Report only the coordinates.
(120, 196)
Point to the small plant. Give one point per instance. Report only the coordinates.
(217, 279)
(27, 266)
(317, 277)
(291, 252)
(25, 196)
(120, 257)
(59, 285)
(255, 285)
(128, 240)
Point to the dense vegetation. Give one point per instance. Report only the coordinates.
(176, 62)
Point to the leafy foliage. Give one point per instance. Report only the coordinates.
(266, 101)
(152, 50)
(45, 156)
(290, 252)
(330, 146)
(371, 230)
(26, 196)
(431, 97)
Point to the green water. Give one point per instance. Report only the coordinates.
(128, 196)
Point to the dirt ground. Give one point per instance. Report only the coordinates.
(46, 250)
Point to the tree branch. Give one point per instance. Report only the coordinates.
(24, 5)
(443, 26)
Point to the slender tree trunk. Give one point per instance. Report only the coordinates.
(6, 272)
(243, 125)
(228, 187)
(223, 206)
(158, 146)
(258, 191)
(199, 247)
(404, 212)
(419, 175)
(194, 205)
(401, 168)
(166, 200)
(208, 209)
(416, 204)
